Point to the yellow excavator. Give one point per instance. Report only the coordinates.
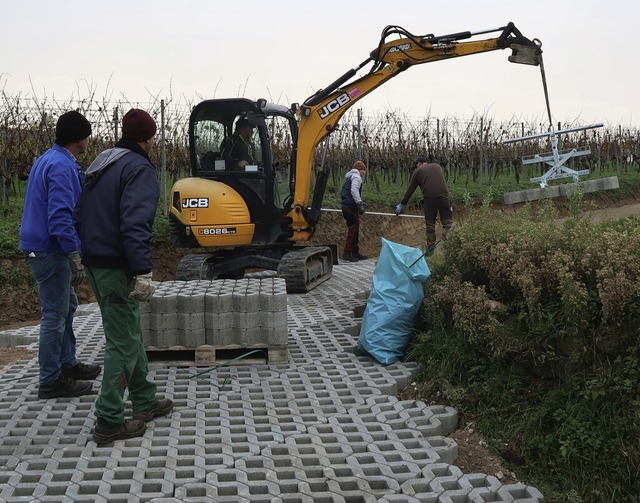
(250, 203)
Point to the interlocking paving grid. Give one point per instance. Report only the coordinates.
(325, 427)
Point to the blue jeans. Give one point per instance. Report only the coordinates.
(58, 303)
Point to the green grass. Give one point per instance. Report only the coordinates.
(10, 216)
(17, 275)
(464, 192)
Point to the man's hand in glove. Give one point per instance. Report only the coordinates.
(143, 289)
(399, 209)
(77, 269)
(360, 206)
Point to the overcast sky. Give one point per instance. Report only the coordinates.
(285, 50)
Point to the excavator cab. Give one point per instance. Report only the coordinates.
(232, 144)
(216, 143)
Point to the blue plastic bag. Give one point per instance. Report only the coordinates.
(394, 302)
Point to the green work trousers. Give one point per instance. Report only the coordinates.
(125, 360)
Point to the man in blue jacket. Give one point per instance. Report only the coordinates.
(51, 248)
(114, 219)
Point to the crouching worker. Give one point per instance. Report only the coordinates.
(114, 219)
(429, 176)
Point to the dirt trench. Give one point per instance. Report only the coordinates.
(19, 303)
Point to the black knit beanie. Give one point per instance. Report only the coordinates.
(72, 127)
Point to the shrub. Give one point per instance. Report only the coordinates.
(537, 320)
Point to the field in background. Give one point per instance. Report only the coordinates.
(470, 150)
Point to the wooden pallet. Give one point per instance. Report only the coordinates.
(179, 356)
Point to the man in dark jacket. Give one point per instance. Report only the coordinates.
(352, 208)
(114, 218)
(430, 178)
(51, 248)
(238, 150)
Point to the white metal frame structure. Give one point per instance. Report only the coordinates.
(555, 158)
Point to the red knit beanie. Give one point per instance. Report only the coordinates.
(138, 125)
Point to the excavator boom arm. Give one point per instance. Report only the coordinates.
(320, 113)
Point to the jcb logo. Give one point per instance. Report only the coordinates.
(195, 202)
(399, 48)
(334, 105)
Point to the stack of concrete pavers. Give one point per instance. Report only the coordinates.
(217, 315)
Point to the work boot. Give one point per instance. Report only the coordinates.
(429, 248)
(349, 257)
(160, 408)
(82, 371)
(64, 386)
(105, 433)
(359, 256)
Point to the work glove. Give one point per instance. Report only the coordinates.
(143, 289)
(360, 206)
(77, 269)
(399, 209)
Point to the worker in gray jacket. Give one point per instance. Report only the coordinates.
(352, 208)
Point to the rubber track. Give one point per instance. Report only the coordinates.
(192, 266)
(306, 268)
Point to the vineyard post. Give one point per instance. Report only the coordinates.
(450, 149)
(398, 153)
(163, 168)
(437, 137)
(426, 135)
(5, 160)
(620, 142)
(115, 123)
(521, 151)
(598, 151)
(354, 141)
(39, 135)
(482, 167)
(359, 117)
(560, 137)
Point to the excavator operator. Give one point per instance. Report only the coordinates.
(238, 150)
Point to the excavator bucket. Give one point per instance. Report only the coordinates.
(525, 54)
